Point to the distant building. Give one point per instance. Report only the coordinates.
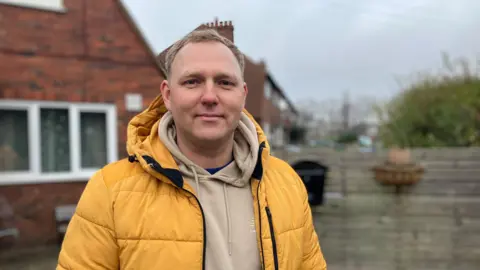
(73, 74)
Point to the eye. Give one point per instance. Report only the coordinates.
(191, 82)
(226, 83)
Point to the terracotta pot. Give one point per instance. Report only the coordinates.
(399, 156)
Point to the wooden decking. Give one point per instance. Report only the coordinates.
(373, 232)
(387, 232)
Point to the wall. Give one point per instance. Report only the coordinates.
(88, 54)
(255, 79)
(31, 210)
(432, 225)
(448, 171)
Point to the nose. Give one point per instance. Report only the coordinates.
(209, 95)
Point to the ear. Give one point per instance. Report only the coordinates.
(245, 89)
(165, 90)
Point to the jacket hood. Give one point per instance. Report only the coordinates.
(144, 144)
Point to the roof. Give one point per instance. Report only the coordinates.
(141, 37)
(280, 91)
(126, 14)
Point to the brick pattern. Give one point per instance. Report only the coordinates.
(224, 28)
(95, 56)
(91, 53)
(255, 79)
(34, 211)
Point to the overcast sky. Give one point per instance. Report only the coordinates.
(318, 49)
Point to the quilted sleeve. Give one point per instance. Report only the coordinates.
(312, 256)
(90, 241)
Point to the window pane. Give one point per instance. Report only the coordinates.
(93, 131)
(267, 89)
(13, 141)
(55, 144)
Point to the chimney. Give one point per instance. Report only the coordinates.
(224, 28)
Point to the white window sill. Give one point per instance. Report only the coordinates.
(30, 178)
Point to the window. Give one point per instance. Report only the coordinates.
(55, 141)
(50, 5)
(275, 99)
(282, 104)
(277, 136)
(93, 136)
(13, 140)
(266, 129)
(268, 89)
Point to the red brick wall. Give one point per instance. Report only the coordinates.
(88, 54)
(33, 208)
(224, 28)
(255, 79)
(272, 113)
(90, 28)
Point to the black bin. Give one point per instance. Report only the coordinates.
(313, 176)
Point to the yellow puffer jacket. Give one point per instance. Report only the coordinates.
(138, 213)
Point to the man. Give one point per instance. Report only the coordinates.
(200, 189)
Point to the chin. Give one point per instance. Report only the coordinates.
(210, 135)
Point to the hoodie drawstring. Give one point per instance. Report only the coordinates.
(227, 208)
(229, 224)
(195, 175)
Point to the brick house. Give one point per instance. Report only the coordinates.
(77, 71)
(266, 100)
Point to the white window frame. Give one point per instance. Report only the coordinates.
(34, 175)
(49, 5)
(266, 129)
(267, 90)
(275, 97)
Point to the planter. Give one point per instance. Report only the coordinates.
(399, 156)
(398, 175)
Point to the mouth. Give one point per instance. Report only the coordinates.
(209, 116)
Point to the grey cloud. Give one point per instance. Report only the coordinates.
(319, 49)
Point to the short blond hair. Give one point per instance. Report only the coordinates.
(198, 36)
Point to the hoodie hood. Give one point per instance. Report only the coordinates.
(144, 144)
(245, 153)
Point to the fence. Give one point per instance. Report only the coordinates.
(434, 224)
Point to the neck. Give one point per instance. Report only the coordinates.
(207, 155)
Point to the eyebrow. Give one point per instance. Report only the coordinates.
(218, 76)
(190, 74)
(223, 75)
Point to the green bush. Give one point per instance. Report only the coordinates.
(347, 138)
(435, 111)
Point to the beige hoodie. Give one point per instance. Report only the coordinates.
(226, 198)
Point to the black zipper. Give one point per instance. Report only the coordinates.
(272, 235)
(156, 166)
(204, 230)
(260, 225)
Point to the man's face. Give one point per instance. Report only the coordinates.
(205, 92)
